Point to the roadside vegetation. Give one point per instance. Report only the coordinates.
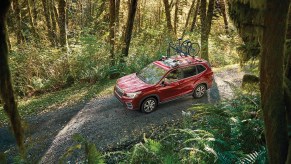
(230, 131)
(56, 54)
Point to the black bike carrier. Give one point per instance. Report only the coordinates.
(183, 48)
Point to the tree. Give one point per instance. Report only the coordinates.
(111, 30)
(47, 15)
(31, 19)
(54, 19)
(117, 8)
(129, 27)
(62, 23)
(168, 15)
(17, 12)
(176, 16)
(222, 10)
(188, 17)
(195, 16)
(272, 91)
(270, 19)
(6, 89)
(206, 18)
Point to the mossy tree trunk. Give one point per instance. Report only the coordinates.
(31, 19)
(168, 15)
(47, 15)
(129, 27)
(112, 30)
(188, 17)
(195, 16)
(223, 12)
(17, 13)
(271, 75)
(54, 19)
(176, 20)
(206, 19)
(6, 89)
(63, 24)
(117, 8)
(287, 82)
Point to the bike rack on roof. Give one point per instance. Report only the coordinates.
(185, 48)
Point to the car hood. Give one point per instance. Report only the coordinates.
(131, 83)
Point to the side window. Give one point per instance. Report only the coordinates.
(173, 76)
(200, 68)
(189, 71)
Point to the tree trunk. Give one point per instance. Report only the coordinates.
(111, 30)
(195, 16)
(206, 19)
(6, 89)
(34, 11)
(48, 21)
(271, 75)
(62, 24)
(54, 21)
(188, 17)
(222, 10)
(176, 16)
(129, 27)
(19, 34)
(31, 19)
(8, 40)
(287, 83)
(168, 15)
(101, 9)
(117, 8)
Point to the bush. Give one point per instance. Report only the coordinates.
(228, 132)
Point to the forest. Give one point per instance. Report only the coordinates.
(60, 61)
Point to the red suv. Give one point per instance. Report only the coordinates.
(163, 81)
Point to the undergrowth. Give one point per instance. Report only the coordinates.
(78, 93)
(227, 132)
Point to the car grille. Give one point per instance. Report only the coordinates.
(119, 91)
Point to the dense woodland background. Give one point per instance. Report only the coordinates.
(52, 45)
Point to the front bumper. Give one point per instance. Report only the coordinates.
(131, 104)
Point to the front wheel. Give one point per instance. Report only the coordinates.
(199, 91)
(149, 105)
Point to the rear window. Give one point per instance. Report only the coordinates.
(189, 71)
(200, 68)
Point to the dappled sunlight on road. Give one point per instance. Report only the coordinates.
(105, 122)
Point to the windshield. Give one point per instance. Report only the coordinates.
(151, 74)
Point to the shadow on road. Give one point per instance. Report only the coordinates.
(103, 121)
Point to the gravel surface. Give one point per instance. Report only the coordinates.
(105, 122)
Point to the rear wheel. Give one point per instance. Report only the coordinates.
(149, 105)
(199, 91)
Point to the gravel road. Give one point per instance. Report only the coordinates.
(106, 123)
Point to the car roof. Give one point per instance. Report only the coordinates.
(178, 61)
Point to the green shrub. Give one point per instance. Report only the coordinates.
(227, 132)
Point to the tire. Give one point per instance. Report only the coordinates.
(199, 91)
(149, 105)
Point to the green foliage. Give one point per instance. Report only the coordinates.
(151, 151)
(76, 94)
(227, 132)
(91, 154)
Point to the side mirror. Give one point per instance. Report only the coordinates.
(164, 83)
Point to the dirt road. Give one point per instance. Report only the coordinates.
(106, 123)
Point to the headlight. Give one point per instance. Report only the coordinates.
(132, 95)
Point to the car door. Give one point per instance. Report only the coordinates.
(189, 75)
(170, 85)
